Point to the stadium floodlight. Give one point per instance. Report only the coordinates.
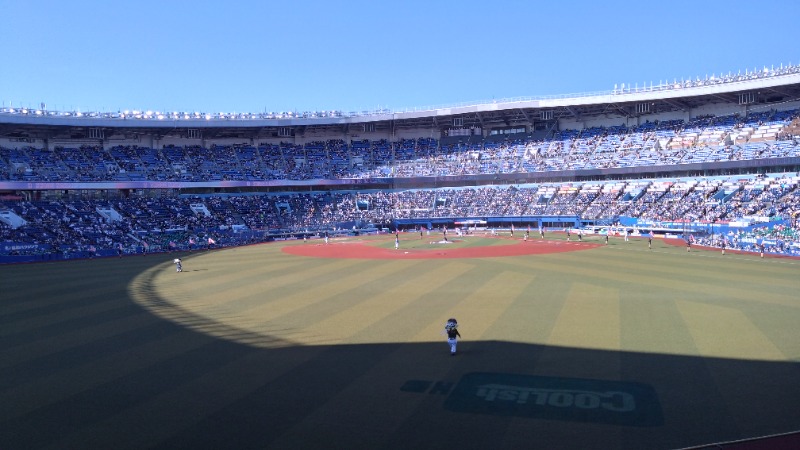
(38, 112)
(208, 116)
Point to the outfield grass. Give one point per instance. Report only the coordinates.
(255, 347)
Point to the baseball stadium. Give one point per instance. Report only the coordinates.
(623, 267)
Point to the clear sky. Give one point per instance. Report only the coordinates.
(304, 55)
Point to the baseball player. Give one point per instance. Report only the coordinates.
(451, 328)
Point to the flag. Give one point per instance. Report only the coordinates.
(211, 241)
(145, 244)
(172, 244)
(191, 241)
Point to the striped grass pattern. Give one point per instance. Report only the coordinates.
(254, 348)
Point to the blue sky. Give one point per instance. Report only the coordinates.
(253, 56)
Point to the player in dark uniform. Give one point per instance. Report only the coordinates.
(451, 328)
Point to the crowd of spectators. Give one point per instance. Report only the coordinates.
(758, 135)
(165, 220)
(175, 222)
(779, 239)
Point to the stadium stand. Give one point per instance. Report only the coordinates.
(731, 164)
(700, 140)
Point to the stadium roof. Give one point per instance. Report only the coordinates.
(760, 89)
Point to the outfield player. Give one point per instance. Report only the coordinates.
(451, 328)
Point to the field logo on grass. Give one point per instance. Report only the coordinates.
(556, 398)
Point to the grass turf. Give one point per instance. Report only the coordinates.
(252, 347)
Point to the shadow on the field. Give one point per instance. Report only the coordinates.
(97, 371)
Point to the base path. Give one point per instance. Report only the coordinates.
(360, 250)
